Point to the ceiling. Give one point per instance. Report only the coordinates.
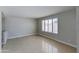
(33, 11)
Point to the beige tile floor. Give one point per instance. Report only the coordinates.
(36, 44)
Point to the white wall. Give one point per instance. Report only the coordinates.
(67, 28)
(18, 27)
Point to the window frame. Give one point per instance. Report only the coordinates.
(57, 26)
(52, 26)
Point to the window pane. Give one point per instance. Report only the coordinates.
(43, 25)
(50, 25)
(55, 25)
(46, 25)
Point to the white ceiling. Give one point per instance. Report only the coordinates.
(33, 11)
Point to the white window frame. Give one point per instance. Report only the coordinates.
(54, 25)
(46, 25)
(50, 26)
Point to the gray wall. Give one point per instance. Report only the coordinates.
(3, 22)
(67, 24)
(0, 30)
(77, 27)
(17, 26)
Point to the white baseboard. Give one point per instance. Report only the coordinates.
(59, 41)
(20, 36)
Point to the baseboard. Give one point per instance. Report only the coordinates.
(20, 36)
(59, 41)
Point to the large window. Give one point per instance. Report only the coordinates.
(46, 25)
(50, 25)
(55, 25)
(43, 26)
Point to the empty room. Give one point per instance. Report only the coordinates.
(38, 29)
